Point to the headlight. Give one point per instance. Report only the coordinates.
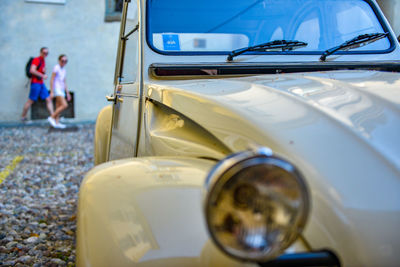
(256, 205)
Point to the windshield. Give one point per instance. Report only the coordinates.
(220, 26)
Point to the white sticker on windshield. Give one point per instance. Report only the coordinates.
(199, 41)
(171, 42)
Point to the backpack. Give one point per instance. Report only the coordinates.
(28, 67)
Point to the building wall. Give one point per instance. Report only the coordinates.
(77, 29)
(391, 8)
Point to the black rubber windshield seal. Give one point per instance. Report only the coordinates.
(161, 71)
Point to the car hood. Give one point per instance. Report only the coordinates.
(364, 105)
(339, 128)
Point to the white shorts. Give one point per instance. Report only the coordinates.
(59, 92)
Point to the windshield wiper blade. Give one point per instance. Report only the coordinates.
(284, 45)
(360, 40)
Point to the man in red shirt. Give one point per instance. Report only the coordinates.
(38, 88)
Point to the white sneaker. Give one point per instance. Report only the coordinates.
(52, 122)
(60, 126)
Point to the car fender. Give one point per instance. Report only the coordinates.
(131, 210)
(102, 135)
(148, 212)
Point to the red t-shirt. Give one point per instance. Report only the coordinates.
(39, 67)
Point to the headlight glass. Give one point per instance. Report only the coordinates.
(256, 205)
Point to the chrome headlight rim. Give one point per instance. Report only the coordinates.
(231, 166)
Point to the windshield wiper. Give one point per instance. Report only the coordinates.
(356, 42)
(284, 45)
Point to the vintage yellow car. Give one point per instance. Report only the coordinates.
(247, 133)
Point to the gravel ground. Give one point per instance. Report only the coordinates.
(40, 173)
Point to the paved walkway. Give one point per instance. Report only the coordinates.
(40, 173)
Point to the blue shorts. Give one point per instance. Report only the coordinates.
(38, 90)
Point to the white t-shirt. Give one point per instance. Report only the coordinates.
(59, 84)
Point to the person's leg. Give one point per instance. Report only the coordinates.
(49, 105)
(61, 104)
(44, 94)
(26, 107)
(33, 96)
(58, 104)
